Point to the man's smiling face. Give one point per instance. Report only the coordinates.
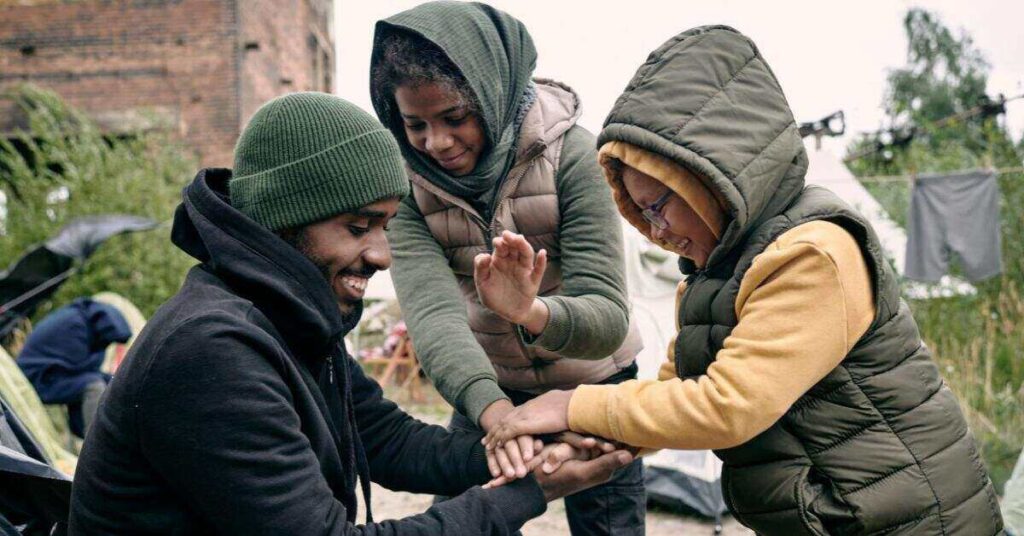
(348, 249)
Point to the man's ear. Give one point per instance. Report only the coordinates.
(293, 236)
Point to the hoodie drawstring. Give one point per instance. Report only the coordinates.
(362, 464)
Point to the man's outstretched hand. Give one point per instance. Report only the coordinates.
(562, 469)
(576, 475)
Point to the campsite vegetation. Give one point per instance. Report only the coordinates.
(61, 166)
(978, 340)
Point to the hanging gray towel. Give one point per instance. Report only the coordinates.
(954, 213)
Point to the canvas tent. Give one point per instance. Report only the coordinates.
(34, 496)
(22, 400)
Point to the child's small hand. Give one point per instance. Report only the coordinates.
(548, 460)
(545, 414)
(513, 459)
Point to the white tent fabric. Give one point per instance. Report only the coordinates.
(1013, 499)
(652, 277)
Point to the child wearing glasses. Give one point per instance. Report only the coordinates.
(796, 360)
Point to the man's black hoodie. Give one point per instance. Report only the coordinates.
(238, 411)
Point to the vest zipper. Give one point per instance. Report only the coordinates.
(488, 237)
(489, 230)
(330, 368)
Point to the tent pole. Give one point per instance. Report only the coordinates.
(36, 291)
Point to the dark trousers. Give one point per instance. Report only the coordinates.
(617, 507)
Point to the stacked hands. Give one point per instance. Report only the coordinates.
(507, 281)
(567, 463)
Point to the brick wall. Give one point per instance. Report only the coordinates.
(200, 66)
(282, 53)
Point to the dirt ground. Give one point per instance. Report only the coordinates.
(392, 505)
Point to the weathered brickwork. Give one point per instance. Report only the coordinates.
(198, 67)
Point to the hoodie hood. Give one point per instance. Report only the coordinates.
(282, 283)
(707, 101)
(496, 55)
(64, 352)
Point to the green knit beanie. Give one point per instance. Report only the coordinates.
(305, 157)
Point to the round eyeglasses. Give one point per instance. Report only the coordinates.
(652, 213)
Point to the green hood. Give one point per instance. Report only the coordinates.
(707, 100)
(495, 54)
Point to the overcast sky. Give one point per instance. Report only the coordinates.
(828, 55)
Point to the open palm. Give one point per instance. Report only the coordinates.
(507, 280)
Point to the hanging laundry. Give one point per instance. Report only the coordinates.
(954, 213)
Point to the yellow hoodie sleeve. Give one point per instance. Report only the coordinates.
(802, 305)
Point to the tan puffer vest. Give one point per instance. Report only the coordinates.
(527, 204)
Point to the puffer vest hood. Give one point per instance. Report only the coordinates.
(527, 203)
(880, 444)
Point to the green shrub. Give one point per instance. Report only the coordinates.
(142, 174)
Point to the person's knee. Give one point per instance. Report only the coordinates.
(91, 396)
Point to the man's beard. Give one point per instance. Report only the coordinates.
(350, 310)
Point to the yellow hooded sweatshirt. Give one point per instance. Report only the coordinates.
(802, 305)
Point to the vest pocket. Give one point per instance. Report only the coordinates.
(765, 506)
(822, 508)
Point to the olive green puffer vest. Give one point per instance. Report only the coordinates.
(879, 446)
(527, 204)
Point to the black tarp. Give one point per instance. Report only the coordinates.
(39, 272)
(34, 497)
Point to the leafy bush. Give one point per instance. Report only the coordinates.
(61, 150)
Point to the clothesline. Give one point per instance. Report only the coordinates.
(909, 178)
(937, 124)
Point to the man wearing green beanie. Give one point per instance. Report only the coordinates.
(238, 410)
